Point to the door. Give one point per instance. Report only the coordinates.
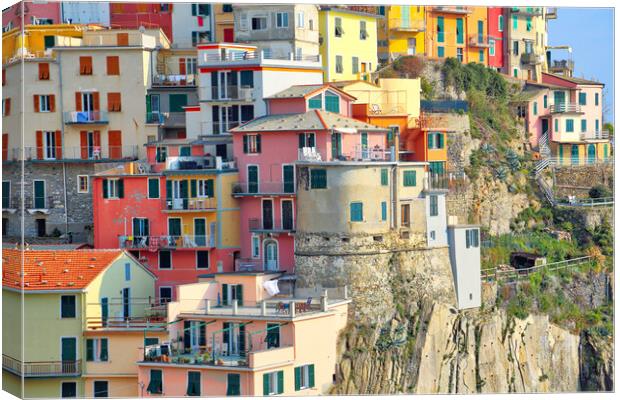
(574, 154)
(288, 172)
(49, 145)
(273, 335)
(545, 126)
(591, 154)
(152, 106)
(404, 215)
(558, 100)
(174, 229)
(411, 46)
(41, 230)
(105, 311)
(221, 151)
(39, 194)
(336, 145)
(271, 255)
(90, 144)
(252, 179)
(480, 32)
(200, 231)
(364, 145)
(267, 214)
(229, 35)
(68, 355)
(404, 13)
(287, 215)
(115, 147)
(126, 303)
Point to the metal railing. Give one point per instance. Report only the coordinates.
(94, 153)
(410, 25)
(42, 368)
(258, 225)
(256, 56)
(479, 40)
(249, 264)
(576, 202)
(174, 80)
(532, 58)
(452, 9)
(165, 242)
(155, 118)
(565, 107)
(533, 11)
(360, 153)
(85, 117)
(256, 188)
(308, 154)
(453, 181)
(232, 92)
(490, 274)
(560, 65)
(96, 323)
(601, 135)
(189, 204)
(224, 127)
(444, 105)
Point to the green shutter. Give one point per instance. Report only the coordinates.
(177, 102)
(440, 29)
(332, 103)
(193, 189)
(409, 178)
(302, 140)
(194, 9)
(288, 179)
(383, 211)
(245, 143)
(280, 382)
(39, 194)
(6, 194)
(104, 184)
(103, 356)
(265, 384)
(440, 140)
(90, 350)
(459, 30)
(297, 378)
(239, 294)
(318, 179)
(384, 177)
(545, 101)
(224, 294)
(193, 383)
(155, 384)
(121, 188)
(169, 190)
(311, 375)
(431, 140)
(357, 212)
(258, 145)
(234, 386)
(210, 192)
(153, 188)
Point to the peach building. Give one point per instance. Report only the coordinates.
(232, 334)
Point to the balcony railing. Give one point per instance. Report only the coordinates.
(166, 242)
(155, 118)
(532, 58)
(452, 9)
(407, 25)
(561, 65)
(565, 107)
(531, 11)
(452, 181)
(479, 41)
(42, 368)
(365, 154)
(602, 135)
(238, 93)
(224, 127)
(443, 106)
(254, 57)
(249, 264)
(162, 80)
(309, 154)
(178, 163)
(92, 153)
(189, 204)
(86, 117)
(258, 225)
(259, 188)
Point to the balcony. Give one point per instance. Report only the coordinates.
(40, 369)
(155, 118)
(528, 11)
(219, 128)
(166, 242)
(77, 153)
(602, 135)
(249, 264)
(565, 108)
(532, 58)
(85, 117)
(146, 313)
(561, 66)
(552, 13)
(451, 181)
(452, 9)
(407, 25)
(189, 204)
(262, 188)
(190, 163)
(482, 41)
(174, 119)
(257, 57)
(257, 225)
(231, 93)
(360, 153)
(163, 80)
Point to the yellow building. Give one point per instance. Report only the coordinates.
(224, 23)
(348, 43)
(72, 293)
(403, 29)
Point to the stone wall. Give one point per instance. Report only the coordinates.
(578, 180)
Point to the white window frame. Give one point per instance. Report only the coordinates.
(253, 144)
(49, 145)
(281, 18)
(304, 382)
(273, 383)
(492, 47)
(191, 65)
(262, 27)
(112, 188)
(500, 26)
(208, 260)
(201, 188)
(164, 287)
(127, 272)
(79, 186)
(282, 212)
(301, 22)
(44, 191)
(252, 245)
(96, 347)
(44, 103)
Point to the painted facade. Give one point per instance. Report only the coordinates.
(526, 41)
(464, 243)
(348, 44)
(224, 23)
(78, 12)
(192, 24)
(147, 15)
(496, 25)
(39, 13)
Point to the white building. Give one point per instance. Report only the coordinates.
(192, 24)
(464, 243)
(436, 219)
(80, 12)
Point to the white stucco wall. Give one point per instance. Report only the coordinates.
(465, 267)
(438, 223)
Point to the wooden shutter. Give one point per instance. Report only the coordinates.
(265, 384)
(122, 39)
(86, 65)
(210, 188)
(121, 188)
(7, 107)
(78, 101)
(58, 138)
(115, 145)
(104, 187)
(245, 143)
(52, 103)
(186, 334)
(297, 378)
(44, 71)
(280, 382)
(39, 145)
(203, 334)
(36, 103)
(5, 146)
(193, 188)
(239, 294)
(182, 69)
(95, 101)
(114, 101)
(311, 375)
(224, 294)
(112, 65)
(97, 135)
(83, 145)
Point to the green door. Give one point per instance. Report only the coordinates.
(574, 154)
(252, 179)
(200, 231)
(39, 194)
(68, 355)
(233, 387)
(336, 145)
(184, 189)
(289, 178)
(364, 145)
(591, 154)
(558, 100)
(459, 30)
(480, 32)
(174, 227)
(177, 102)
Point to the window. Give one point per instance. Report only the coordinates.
(6, 107)
(306, 140)
(165, 259)
(200, 37)
(491, 47)
(282, 20)
(251, 144)
(500, 23)
(434, 207)
(515, 48)
(82, 182)
(68, 390)
(43, 103)
(338, 27)
(332, 103)
(247, 79)
(440, 29)
(153, 188)
(112, 65)
(556, 126)
(440, 52)
(318, 179)
(227, 8)
(259, 23)
(255, 246)
(535, 108)
(339, 67)
(570, 125)
(596, 99)
(471, 238)
(405, 215)
(584, 124)
(363, 31)
(114, 102)
(201, 9)
(459, 31)
(315, 102)
(481, 56)
(202, 259)
(300, 19)
(165, 294)
(596, 125)
(384, 176)
(97, 349)
(150, 341)
(383, 211)
(515, 73)
(39, 194)
(155, 382)
(233, 385)
(6, 194)
(582, 99)
(409, 178)
(355, 62)
(113, 189)
(515, 22)
(357, 212)
(528, 24)
(44, 71)
(67, 306)
(193, 383)
(127, 271)
(161, 154)
(273, 383)
(205, 188)
(304, 377)
(459, 54)
(435, 140)
(86, 65)
(545, 104)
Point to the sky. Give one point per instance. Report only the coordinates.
(590, 32)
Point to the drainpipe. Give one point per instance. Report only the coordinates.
(62, 135)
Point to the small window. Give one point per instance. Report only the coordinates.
(363, 32)
(545, 104)
(202, 259)
(596, 99)
(205, 188)
(384, 211)
(584, 125)
(481, 55)
(300, 20)
(86, 65)
(471, 238)
(67, 307)
(500, 23)
(150, 341)
(165, 294)
(384, 176)
(165, 259)
(339, 67)
(45, 103)
(355, 63)
(491, 47)
(338, 32)
(227, 8)
(252, 144)
(97, 350)
(273, 383)
(315, 102)
(440, 52)
(570, 127)
(434, 207)
(282, 20)
(433, 235)
(161, 154)
(68, 390)
(318, 179)
(409, 178)
(113, 189)
(259, 23)
(83, 183)
(155, 382)
(357, 212)
(153, 188)
(459, 54)
(535, 108)
(582, 99)
(127, 271)
(255, 247)
(304, 377)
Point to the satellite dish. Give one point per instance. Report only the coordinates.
(141, 29)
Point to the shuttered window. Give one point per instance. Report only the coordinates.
(44, 71)
(582, 99)
(114, 102)
(86, 65)
(193, 383)
(384, 176)
(409, 178)
(318, 179)
(112, 65)
(153, 188)
(273, 383)
(332, 103)
(315, 102)
(570, 125)
(471, 238)
(155, 382)
(357, 212)
(304, 377)
(251, 144)
(440, 29)
(233, 385)
(434, 207)
(383, 211)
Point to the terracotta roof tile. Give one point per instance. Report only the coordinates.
(54, 269)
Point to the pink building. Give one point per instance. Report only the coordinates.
(39, 13)
(496, 27)
(266, 150)
(236, 334)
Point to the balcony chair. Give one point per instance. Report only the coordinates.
(375, 109)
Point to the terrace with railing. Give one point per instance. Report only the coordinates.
(269, 226)
(565, 108)
(532, 58)
(261, 188)
(600, 135)
(166, 242)
(74, 153)
(479, 40)
(189, 204)
(407, 25)
(126, 314)
(237, 57)
(86, 117)
(452, 9)
(529, 11)
(42, 369)
(174, 80)
(218, 128)
(231, 92)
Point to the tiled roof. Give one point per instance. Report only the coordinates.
(578, 81)
(298, 91)
(54, 269)
(311, 120)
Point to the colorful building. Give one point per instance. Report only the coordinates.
(192, 23)
(224, 23)
(34, 13)
(147, 15)
(84, 299)
(348, 43)
(495, 26)
(400, 32)
(230, 336)
(175, 212)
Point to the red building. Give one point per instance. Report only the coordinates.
(34, 13)
(497, 26)
(149, 15)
